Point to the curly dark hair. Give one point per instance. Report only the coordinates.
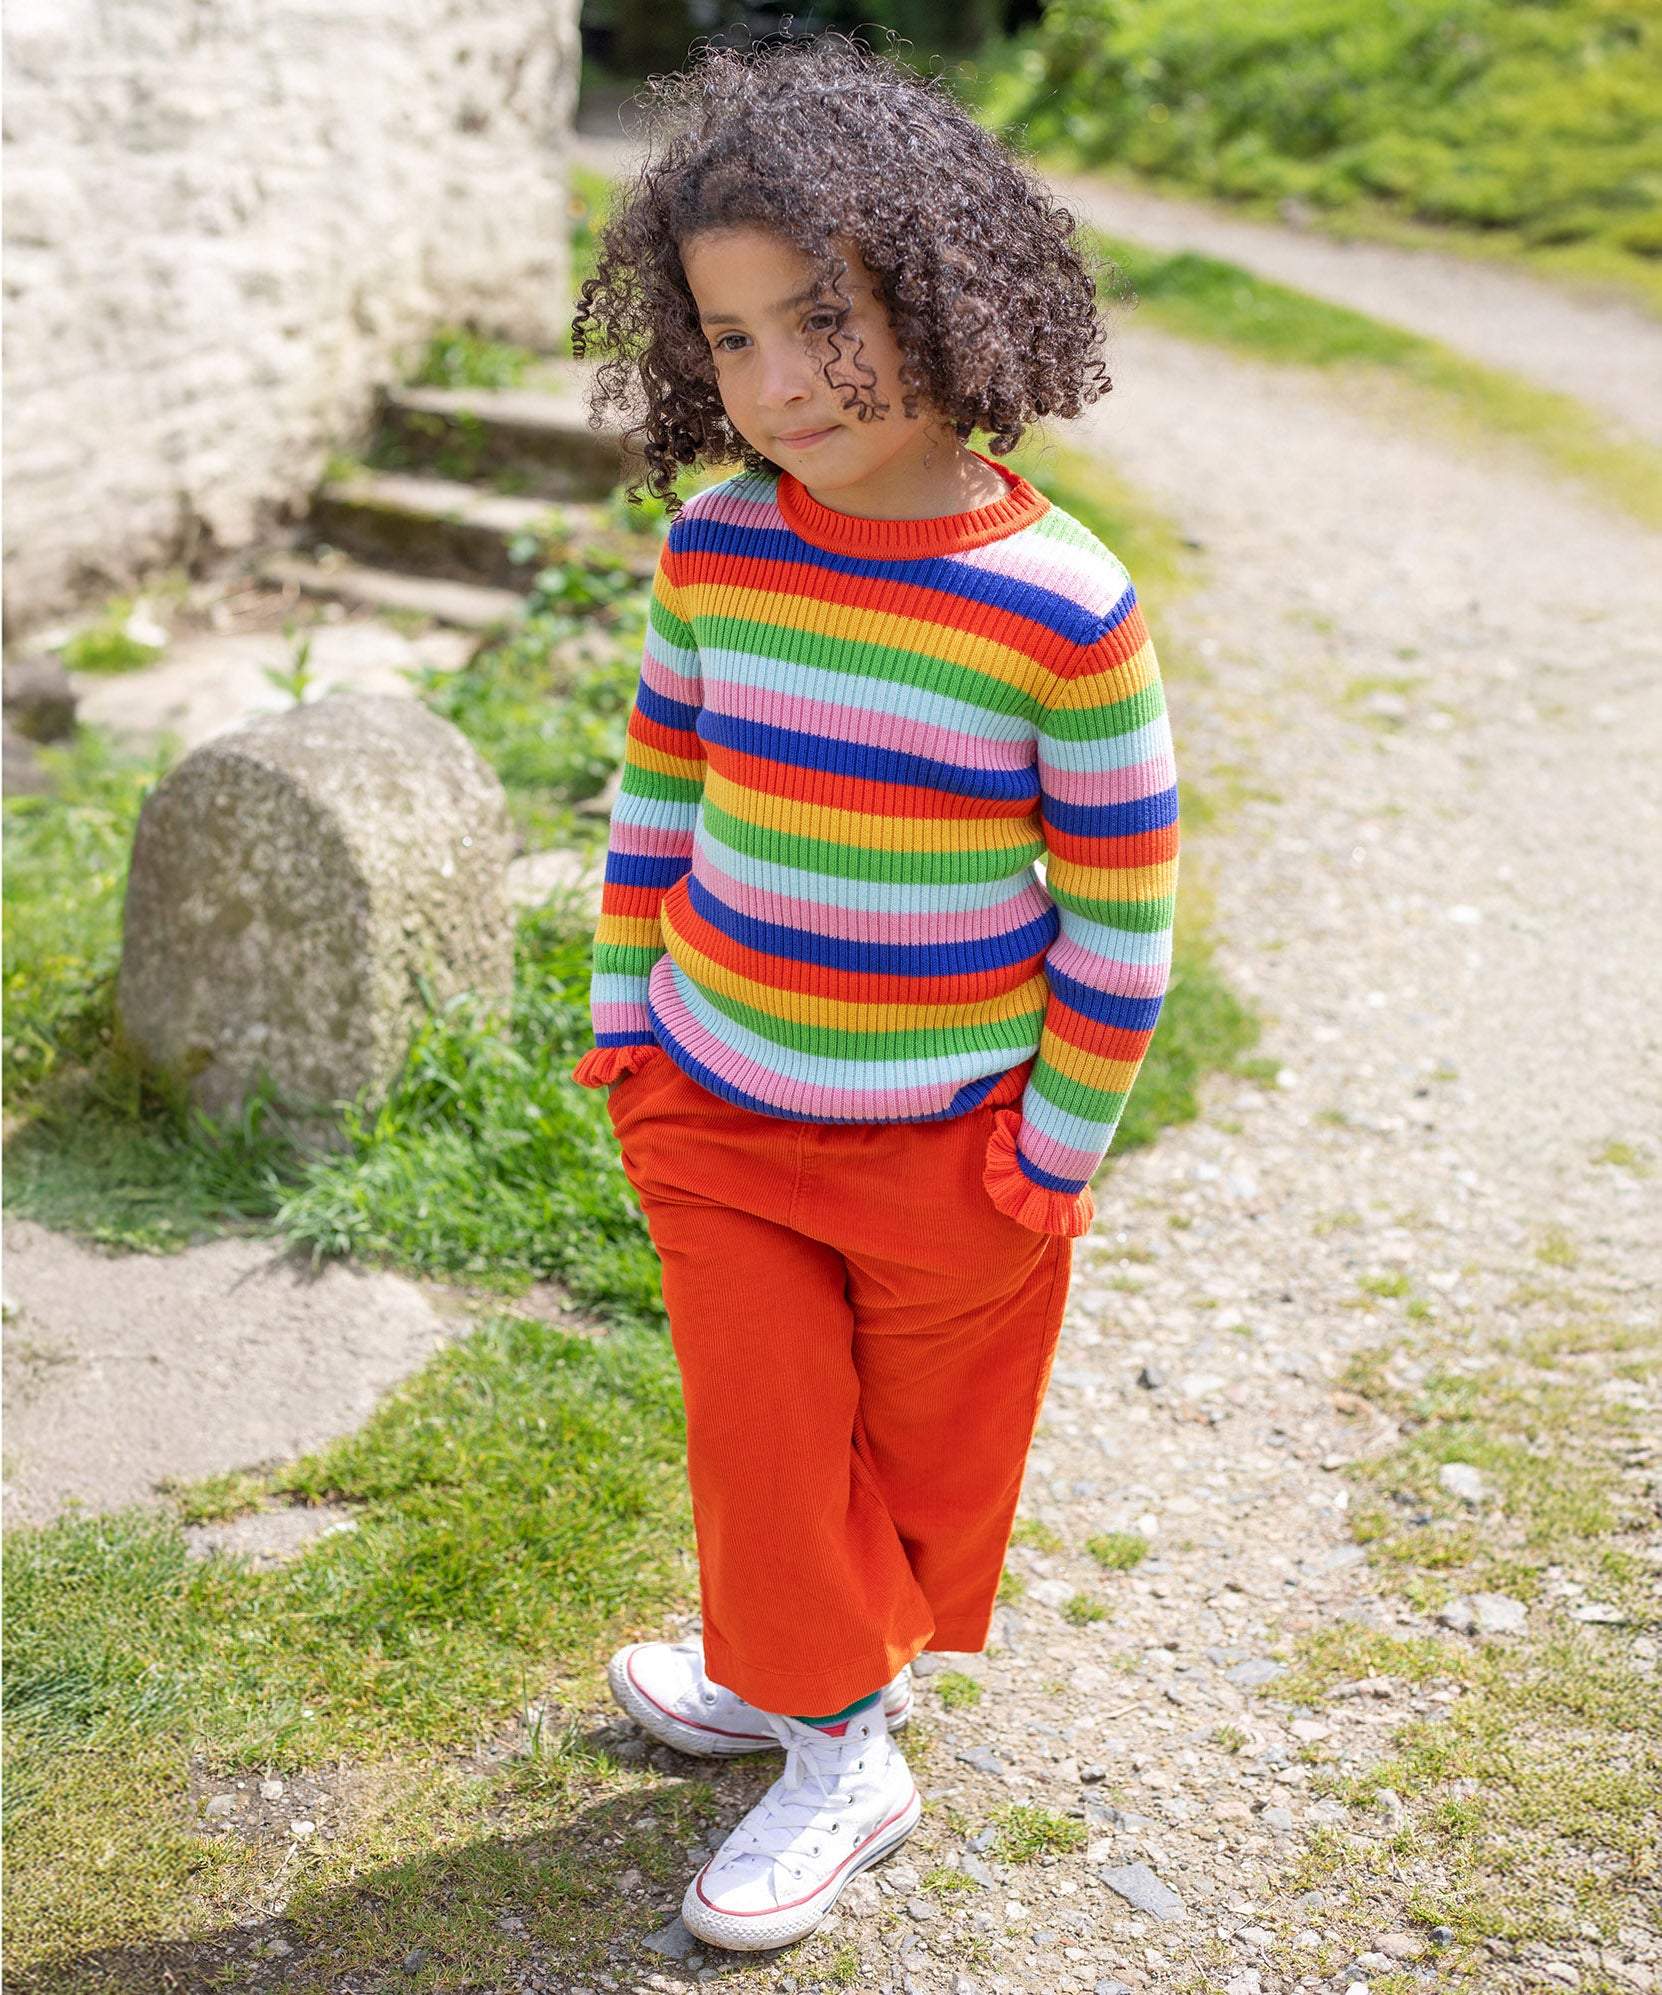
(992, 302)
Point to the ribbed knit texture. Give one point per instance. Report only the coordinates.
(854, 744)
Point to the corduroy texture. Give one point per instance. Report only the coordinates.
(854, 743)
(864, 1347)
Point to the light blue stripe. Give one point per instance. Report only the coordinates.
(1077, 1134)
(887, 897)
(855, 691)
(821, 1071)
(656, 813)
(1115, 945)
(1108, 751)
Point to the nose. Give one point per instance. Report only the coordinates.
(786, 376)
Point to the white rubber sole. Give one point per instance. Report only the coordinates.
(755, 1932)
(709, 1741)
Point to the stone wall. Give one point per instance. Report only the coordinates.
(225, 222)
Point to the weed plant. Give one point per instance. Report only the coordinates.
(1538, 118)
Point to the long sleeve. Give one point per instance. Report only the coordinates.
(651, 844)
(1108, 803)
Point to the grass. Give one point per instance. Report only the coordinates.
(1026, 1831)
(956, 1691)
(1206, 298)
(1534, 124)
(1534, 1796)
(1118, 1551)
(1082, 1610)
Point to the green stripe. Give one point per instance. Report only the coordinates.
(1090, 1104)
(653, 783)
(674, 630)
(1102, 723)
(851, 862)
(1135, 917)
(852, 658)
(621, 959)
(1019, 1034)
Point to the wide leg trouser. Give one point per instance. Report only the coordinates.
(864, 1343)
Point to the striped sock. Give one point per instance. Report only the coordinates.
(837, 1724)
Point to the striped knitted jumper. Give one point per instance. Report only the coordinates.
(854, 745)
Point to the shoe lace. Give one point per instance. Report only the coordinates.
(781, 1825)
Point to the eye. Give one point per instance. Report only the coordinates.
(724, 342)
(823, 321)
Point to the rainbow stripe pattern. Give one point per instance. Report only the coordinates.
(855, 745)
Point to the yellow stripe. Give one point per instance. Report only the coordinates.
(865, 830)
(1112, 883)
(629, 931)
(802, 1007)
(638, 754)
(1112, 684)
(1111, 1076)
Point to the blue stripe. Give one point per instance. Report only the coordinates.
(878, 959)
(666, 712)
(1056, 613)
(865, 761)
(1106, 1007)
(1113, 820)
(644, 869)
(1072, 1186)
(969, 1096)
(624, 1038)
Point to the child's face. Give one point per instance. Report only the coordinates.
(770, 325)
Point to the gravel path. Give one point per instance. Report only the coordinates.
(1605, 351)
(1423, 694)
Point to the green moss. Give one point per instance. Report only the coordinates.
(1026, 1831)
(1118, 1551)
(1029, 1531)
(1082, 1609)
(957, 1691)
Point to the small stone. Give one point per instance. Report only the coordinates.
(1599, 1613)
(1280, 1820)
(1250, 1675)
(222, 1805)
(1462, 1481)
(1015, 1911)
(862, 1899)
(922, 1909)
(1090, 1775)
(413, 1959)
(673, 1940)
(1457, 1614)
(1399, 1946)
(1151, 1378)
(301, 1830)
(1499, 1614)
(1561, 1972)
(1143, 1891)
(39, 700)
(984, 1760)
(1310, 1730)
(1244, 1983)
(1375, 1963)
(271, 1790)
(975, 1869)
(1442, 1936)
(275, 1949)
(1112, 1988)
(962, 1985)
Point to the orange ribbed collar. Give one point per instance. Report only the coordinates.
(910, 540)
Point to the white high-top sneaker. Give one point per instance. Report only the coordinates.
(663, 1687)
(842, 1803)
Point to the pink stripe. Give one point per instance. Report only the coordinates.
(621, 1018)
(859, 924)
(1107, 973)
(660, 840)
(797, 1097)
(1110, 786)
(833, 721)
(731, 510)
(682, 687)
(1057, 1158)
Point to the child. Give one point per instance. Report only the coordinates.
(864, 1062)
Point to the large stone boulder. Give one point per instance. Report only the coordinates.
(293, 885)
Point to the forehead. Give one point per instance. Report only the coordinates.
(750, 273)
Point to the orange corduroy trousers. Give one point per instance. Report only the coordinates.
(864, 1343)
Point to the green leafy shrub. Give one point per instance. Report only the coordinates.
(1541, 117)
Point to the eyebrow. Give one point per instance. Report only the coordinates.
(808, 295)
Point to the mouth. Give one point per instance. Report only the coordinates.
(806, 439)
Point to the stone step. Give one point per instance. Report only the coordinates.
(537, 440)
(462, 605)
(440, 527)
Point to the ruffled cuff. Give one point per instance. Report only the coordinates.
(610, 1063)
(1019, 1198)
